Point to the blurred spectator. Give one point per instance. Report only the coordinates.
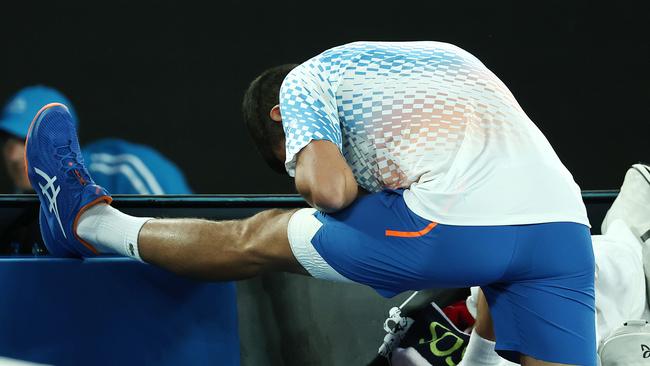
(120, 166)
(127, 168)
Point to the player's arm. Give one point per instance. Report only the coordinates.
(313, 136)
(324, 178)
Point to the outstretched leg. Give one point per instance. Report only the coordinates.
(223, 250)
(209, 250)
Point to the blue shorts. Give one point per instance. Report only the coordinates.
(538, 279)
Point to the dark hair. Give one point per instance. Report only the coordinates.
(260, 97)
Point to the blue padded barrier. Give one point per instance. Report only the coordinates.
(113, 311)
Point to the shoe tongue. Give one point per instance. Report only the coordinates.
(60, 141)
(62, 146)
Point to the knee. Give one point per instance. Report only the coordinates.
(252, 260)
(257, 248)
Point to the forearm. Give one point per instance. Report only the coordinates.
(219, 250)
(332, 200)
(323, 177)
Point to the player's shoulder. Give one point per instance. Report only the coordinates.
(329, 66)
(326, 66)
(388, 46)
(365, 51)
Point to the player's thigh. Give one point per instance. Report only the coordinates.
(379, 242)
(531, 361)
(544, 306)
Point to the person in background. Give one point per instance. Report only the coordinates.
(121, 166)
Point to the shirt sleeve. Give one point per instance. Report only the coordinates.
(308, 108)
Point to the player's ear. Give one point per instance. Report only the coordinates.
(275, 113)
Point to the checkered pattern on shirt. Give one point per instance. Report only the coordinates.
(396, 111)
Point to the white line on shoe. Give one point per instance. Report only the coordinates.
(52, 198)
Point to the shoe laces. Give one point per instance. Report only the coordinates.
(70, 163)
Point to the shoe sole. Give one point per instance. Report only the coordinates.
(107, 199)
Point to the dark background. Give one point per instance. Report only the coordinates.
(171, 73)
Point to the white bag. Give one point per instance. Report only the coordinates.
(628, 345)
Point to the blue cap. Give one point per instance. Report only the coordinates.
(19, 112)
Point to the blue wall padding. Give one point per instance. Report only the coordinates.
(113, 311)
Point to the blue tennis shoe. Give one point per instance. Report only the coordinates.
(57, 173)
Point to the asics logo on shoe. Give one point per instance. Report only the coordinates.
(51, 192)
(646, 351)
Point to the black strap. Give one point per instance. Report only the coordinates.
(645, 236)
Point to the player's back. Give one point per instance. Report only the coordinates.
(431, 117)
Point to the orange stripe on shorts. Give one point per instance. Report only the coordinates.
(411, 234)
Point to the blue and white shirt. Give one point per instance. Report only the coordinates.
(431, 118)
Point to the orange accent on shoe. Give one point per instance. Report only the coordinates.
(79, 177)
(30, 130)
(108, 200)
(411, 234)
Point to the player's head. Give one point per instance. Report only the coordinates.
(16, 117)
(262, 115)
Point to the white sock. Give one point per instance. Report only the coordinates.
(111, 231)
(480, 352)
